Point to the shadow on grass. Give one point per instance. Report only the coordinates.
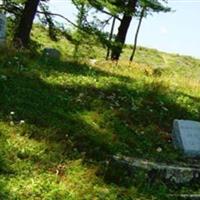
(4, 169)
(4, 194)
(71, 67)
(98, 122)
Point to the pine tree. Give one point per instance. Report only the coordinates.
(123, 29)
(131, 10)
(23, 30)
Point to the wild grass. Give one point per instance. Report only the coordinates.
(60, 120)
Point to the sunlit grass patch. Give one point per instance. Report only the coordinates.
(61, 120)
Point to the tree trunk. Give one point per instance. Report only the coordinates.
(22, 33)
(122, 31)
(136, 35)
(110, 37)
(80, 16)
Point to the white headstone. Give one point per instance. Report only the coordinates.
(186, 136)
(2, 29)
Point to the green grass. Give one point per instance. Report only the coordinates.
(76, 115)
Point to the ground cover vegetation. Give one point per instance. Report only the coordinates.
(62, 119)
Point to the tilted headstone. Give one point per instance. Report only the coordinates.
(186, 136)
(51, 53)
(2, 29)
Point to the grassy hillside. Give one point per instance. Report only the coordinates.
(60, 120)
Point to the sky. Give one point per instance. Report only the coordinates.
(176, 32)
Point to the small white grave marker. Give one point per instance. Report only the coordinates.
(186, 136)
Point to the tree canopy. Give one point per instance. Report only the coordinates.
(23, 12)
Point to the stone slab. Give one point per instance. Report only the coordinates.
(184, 196)
(122, 167)
(186, 136)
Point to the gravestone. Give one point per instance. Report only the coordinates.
(51, 53)
(186, 136)
(2, 29)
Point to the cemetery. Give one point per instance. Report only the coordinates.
(79, 121)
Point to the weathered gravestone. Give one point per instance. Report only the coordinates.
(51, 53)
(2, 29)
(186, 136)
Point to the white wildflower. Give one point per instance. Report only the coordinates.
(3, 77)
(164, 108)
(12, 123)
(93, 61)
(22, 122)
(159, 149)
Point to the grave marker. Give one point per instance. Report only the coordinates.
(186, 136)
(2, 29)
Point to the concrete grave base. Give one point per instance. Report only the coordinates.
(126, 167)
(185, 196)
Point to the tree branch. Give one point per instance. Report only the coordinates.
(58, 15)
(107, 13)
(13, 9)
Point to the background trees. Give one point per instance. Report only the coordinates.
(146, 7)
(135, 8)
(89, 23)
(120, 38)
